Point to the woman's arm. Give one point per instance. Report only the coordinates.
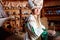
(30, 24)
(29, 28)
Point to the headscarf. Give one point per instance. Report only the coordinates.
(35, 3)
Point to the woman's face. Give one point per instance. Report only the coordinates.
(36, 11)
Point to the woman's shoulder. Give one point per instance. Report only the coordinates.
(31, 18)
(30, 15)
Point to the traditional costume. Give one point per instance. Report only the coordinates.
(34, 24)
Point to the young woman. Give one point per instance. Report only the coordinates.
(34, 24)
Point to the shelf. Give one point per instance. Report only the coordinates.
(52, 7)
(56, 28)
(52, 15)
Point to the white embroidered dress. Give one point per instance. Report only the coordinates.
(38, 30)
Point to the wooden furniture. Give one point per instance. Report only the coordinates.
(12, 23)
(53, 15)
(16, 9)
(18, 22)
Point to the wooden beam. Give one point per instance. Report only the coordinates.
(14, 0)
(51, 3)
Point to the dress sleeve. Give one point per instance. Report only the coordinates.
(31, 24)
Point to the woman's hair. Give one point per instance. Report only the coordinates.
(40, 13)
(33, 10)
